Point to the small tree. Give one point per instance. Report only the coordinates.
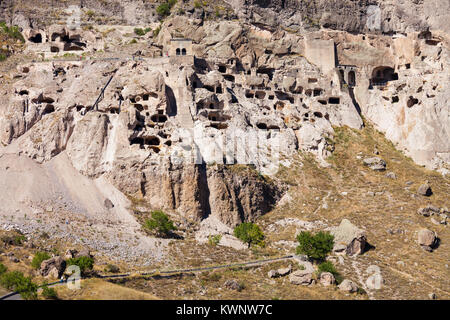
(84, 263)
(315, 246)
(16, 281)
(159, 223)
(163, 9)
(249, 233)
(38, 258)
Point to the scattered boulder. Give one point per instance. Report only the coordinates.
(425, 190)
(348, 286)
(280, 272)
(272, 274)
(284, 271)
(232, 285)
(427, 239)
(301, 277)
(14, 259)
(53, 267)
(432, 296)
(108, 204)
(350, 236)
(375, 163)
(327, 279)
(428, 211)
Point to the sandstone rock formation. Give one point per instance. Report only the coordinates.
(199, 116)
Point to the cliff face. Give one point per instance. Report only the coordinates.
(352, 16)
(379, 16)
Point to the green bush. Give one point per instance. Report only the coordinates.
(12, 32)
(2, 269)
(84, 263)
(49, 293)
(327, 266)
(315, 246)
(215, 239)
(141, 32)
(249, 233)
(163, 9)
(38, 258)
(159, 223)
(16, 281)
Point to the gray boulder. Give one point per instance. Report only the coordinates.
(425, 190)
(348, 235)
(301, 277)
(428, 211)
(375, 163)
(327, 279)
(53, 267)
(232, 285)
(427, 239)
(348, 286)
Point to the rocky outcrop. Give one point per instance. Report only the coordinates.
(301, 277)
(53, 267)
(375, 163)
(348, 238)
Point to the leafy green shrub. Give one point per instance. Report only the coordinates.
(16, 281)
(315, 246)
(159, 223)
(38, 258)
(214, 239)
(49, 293)
(2, 269)
(163, 9)
(12, 32)
(327, 266)
(249, 233)
(84, 263)
(139, 31)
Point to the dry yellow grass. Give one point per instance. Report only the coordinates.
(98, 289)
